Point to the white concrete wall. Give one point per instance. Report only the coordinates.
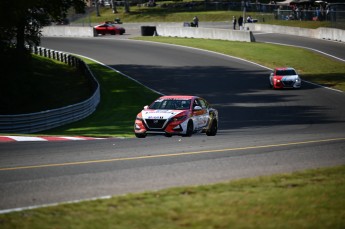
(319, 33)
(207, 33)
(68, 31)
(331, 34)
(177, 30)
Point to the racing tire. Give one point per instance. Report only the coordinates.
(168, 135)
(140, 135)
(190, 129)
(213, 129)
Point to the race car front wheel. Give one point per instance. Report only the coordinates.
(190, 129)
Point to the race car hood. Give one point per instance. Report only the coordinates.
(159, 114)
(287, 78)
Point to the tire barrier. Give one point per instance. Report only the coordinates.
(148, 30)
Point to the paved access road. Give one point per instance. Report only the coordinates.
(262, 131)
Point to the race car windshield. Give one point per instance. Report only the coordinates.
(171, 104)
(286, 72)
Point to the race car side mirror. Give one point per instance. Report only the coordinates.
(197, 108)
(146, 107)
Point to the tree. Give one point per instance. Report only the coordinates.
(113, 6)
(127, 10)
(21, 22)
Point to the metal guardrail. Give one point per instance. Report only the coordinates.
(44, 120)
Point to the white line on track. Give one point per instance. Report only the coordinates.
(51, 205)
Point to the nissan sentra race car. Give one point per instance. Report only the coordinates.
(284, 78)
(177, 115)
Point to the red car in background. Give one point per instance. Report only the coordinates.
(107, 28)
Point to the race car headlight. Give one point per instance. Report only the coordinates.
(179, 118)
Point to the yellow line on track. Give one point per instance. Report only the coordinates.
(169, 155)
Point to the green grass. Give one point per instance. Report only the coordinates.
(141, 15)
(157, 14)
(311, 199)
(43, 89)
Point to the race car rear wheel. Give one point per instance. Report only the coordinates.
(140, 135)
(168, 135)
(213, 129)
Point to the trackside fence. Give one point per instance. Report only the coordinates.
(44, 120)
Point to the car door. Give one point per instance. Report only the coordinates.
(200, 115)
(205, 114)
(102, 29)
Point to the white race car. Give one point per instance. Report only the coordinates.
(177, 115)
(285, 78)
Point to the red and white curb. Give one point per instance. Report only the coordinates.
(43, 138)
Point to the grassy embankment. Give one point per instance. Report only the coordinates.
(43, 89)
(311, 199)
(157, 14)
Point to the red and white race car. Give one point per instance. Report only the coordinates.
(286, 77)
(177, 115)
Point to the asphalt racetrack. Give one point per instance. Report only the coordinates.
(261, 131)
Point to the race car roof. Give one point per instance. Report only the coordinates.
(284, 68)
(183, 97)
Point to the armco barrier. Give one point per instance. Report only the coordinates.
(207, 33)
(44, 120)
(319, 33)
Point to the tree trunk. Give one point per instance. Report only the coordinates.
(20, 43)
(97, 9)
(113, 5)
(127, 7)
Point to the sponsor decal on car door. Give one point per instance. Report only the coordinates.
(201, 115)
